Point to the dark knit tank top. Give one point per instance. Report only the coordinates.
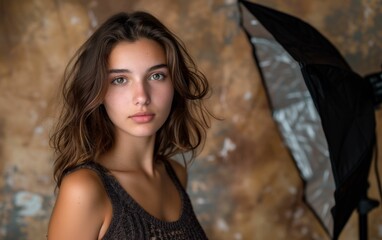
(131, 221)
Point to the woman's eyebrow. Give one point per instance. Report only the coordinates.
(119, 71)
(162, 65)
(124, 70)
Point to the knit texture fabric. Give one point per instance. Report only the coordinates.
(131, 221)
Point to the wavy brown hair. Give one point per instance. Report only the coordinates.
(84, 130)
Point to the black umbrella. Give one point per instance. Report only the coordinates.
(324, 110)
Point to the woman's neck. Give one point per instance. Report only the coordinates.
(130, 154)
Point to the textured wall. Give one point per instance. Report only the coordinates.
(244, 185)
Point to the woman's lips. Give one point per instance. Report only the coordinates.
(142, 117)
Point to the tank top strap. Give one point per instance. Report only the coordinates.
(171, 172)
(101, 171)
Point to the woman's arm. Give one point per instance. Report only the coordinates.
(80, 207)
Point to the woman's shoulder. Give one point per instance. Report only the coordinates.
(84, 184)
(80, 207)
(180, 171)
(83, 179)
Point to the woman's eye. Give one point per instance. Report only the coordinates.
(119, 80)
(157, 76)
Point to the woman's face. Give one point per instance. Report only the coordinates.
(140, 91)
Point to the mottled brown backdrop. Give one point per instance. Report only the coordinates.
(244, 185)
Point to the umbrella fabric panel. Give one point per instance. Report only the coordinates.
(303, 42)
(345, 104)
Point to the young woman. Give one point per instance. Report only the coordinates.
(132, 100)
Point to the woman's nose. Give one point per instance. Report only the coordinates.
(141, 94)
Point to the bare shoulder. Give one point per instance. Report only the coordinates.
(180, 171)
(84, 184)
(80, 206)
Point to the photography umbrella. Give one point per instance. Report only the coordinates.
(324, 111)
